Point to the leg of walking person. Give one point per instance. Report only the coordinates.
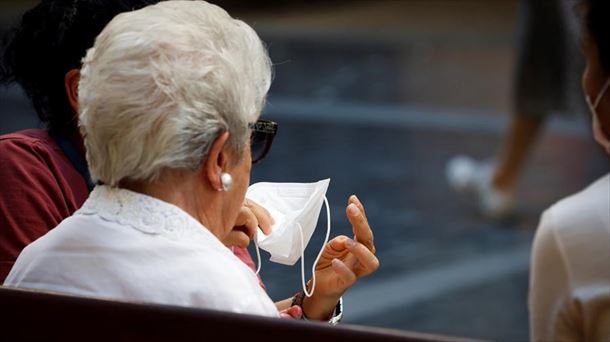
(539, 85)
(520, 140)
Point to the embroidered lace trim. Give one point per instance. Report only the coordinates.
(143, 213)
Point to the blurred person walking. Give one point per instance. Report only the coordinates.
(546, 71)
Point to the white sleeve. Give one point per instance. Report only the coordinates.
(549, 291)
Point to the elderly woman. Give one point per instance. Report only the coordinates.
(169, 99)
(570, 276)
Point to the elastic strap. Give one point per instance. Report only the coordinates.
(313, 267)
(258, 254)
(601, 94)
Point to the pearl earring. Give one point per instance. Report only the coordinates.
(227, 181)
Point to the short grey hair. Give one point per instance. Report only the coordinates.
(161, 84)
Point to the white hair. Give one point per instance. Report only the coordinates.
(160, 85)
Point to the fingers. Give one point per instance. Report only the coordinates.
(293, 312)
(346, 276)
(360, 225)
(336, 247)
(367, 261)
(354, 199)
(362, 260)
(265, 221)
(246, 222)
(237, 238)
(337, 244)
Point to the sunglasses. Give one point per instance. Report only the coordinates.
(263, 132)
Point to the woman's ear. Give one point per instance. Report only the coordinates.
(216, 162)
(71, 84)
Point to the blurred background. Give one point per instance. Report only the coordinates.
(378, 95)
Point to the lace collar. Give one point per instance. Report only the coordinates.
(141, 212)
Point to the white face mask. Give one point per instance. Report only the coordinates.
(295, 208)
(598, 133)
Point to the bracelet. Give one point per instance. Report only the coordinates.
(298, 299)
(335, 317)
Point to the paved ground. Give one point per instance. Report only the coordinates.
(377, 96)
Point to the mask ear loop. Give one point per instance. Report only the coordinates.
(258, 253)
(313, 267)
(601, 94)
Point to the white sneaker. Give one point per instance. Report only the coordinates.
(468, 176)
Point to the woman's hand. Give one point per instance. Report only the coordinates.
(342, 263)
(250, 217)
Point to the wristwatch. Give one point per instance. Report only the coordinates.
(334, 319)
(338, 313)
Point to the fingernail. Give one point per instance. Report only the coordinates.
(350, 243)
(336, 263)
(355, 198)
(353, 209)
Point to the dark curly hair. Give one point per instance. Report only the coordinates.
(597, 22)
(50, 40)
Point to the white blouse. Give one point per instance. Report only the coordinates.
(127, 246)
(569, 296)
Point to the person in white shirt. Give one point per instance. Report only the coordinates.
(569, 297)
(169, 100)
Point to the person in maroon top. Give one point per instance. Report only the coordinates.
(40, 187)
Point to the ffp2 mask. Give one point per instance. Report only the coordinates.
(295, 208)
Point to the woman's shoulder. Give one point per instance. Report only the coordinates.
(29, 137)
(587, 210)
(578, 228)
(31, 151)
